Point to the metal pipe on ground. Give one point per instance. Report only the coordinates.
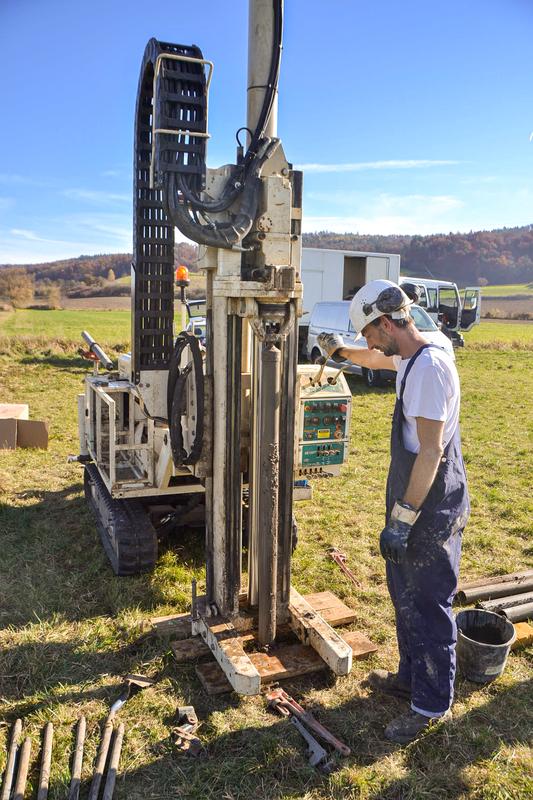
(75, 783)
(507, 602)
(46, 761)
(11, 759)
(472, 591)
(494, 591)
(113, 763)
(518, 613)
(22, 775)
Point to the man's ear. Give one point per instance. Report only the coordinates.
(385, 324)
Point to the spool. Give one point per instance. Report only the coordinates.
(483, 643)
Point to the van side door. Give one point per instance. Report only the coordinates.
(471, 311)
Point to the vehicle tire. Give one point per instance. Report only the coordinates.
(315, 355)
(372, 377)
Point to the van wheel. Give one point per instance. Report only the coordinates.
(372, 377)
(315, 355)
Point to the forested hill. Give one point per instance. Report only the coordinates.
(499, 256)
(87, 269)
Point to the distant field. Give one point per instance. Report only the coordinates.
(111, 327)
(508, 290)
(500, 335)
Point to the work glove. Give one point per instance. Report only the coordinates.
(394, 537)
(330, 343)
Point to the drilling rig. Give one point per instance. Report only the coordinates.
(228, 429)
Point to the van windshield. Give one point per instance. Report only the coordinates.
(423, 321)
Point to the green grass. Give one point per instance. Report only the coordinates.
(500, 335)
(106, 326)
(508, 290)
(69, 628)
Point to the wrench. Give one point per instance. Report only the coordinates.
(284, 704)
(317, 755)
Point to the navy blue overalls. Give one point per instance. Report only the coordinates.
(423, 586)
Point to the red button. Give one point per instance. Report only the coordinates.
(343, 407)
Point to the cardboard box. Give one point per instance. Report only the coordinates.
(16, 430)
(14, 411)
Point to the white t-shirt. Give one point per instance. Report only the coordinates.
(431, 391)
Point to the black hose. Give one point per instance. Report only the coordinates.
(235, 185)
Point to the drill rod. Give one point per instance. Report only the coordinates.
(101, 758)
(22, 775)
(46, 761)
(113, 763)
(74, 791)
(11, 758)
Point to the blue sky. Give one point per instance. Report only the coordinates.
(407, 117)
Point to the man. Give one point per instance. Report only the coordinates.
(427, 501)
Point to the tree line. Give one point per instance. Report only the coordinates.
(476, 258)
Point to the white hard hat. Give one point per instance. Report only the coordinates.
(375, 299)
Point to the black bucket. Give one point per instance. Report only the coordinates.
(483, 643)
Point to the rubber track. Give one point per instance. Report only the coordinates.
(132, 547)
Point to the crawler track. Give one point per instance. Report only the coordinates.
(128, 536)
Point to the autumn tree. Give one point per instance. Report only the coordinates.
(17, 287)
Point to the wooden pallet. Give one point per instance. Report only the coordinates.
(281, 663)
(287, 659)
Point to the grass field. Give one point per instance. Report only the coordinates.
(508, 290)
(69, 628)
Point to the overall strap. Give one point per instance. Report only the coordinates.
(410, 364)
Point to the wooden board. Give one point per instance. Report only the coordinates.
(333, 610)
(330, 608)
(361, 645)
(177, 626)
(283, 662)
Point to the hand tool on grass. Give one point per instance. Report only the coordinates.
(22, 775)
(46, 761)
(318, 756)
(74, 790)
(113, 763)
(341, 558)
(183, 734)
(284, 704)
(11, 758)
(133, 685)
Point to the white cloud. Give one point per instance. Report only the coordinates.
(359, 166)
(15, 179)
(98, 197)
(391, 214)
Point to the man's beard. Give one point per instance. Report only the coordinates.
(388, 346)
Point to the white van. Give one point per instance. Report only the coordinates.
(445, 306)
(334, 318)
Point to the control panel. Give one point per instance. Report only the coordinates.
(324, 406)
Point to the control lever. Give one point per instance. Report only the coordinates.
(321, 360)
(332, 380)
